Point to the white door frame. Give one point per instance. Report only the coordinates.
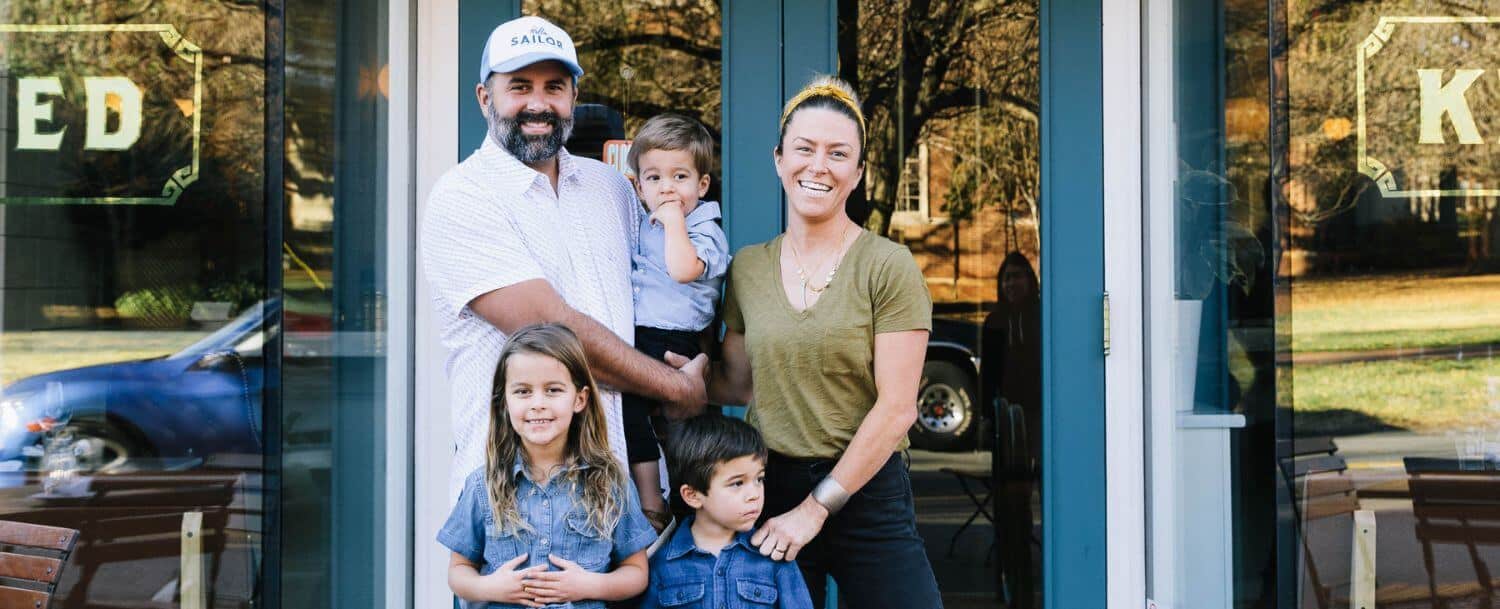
(432, 437)
(400, 254)
(1124, 367)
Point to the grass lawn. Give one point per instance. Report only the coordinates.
(1391, 311)
(1420, 395)
(1387, 311)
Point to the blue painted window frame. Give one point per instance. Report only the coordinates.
(1072, 210)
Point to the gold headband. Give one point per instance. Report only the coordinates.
(821, 90)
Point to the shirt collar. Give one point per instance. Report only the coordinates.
(517, 177)
(706, 211)
(682, 542)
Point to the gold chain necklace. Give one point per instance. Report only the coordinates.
(802, 273)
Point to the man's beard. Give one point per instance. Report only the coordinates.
(529, 149)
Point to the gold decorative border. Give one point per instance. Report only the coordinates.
(189, 52)
(1369, 165)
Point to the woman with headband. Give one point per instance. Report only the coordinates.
(831, 322)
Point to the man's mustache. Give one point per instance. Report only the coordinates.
(546, 116)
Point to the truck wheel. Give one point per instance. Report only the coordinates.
(946, 418)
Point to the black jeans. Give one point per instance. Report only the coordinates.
(871, 547)
(635, 410)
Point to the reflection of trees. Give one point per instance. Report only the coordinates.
(643, 59)
(1338, 211)
(967, 72)
(201, 239)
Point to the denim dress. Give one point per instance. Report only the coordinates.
(560, 526)
(739, 577)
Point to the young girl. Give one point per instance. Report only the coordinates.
(551, 518)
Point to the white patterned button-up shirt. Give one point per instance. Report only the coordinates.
(493, 222)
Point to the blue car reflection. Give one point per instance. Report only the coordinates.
(202, 400)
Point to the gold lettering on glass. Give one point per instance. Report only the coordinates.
(1405, 144)
(38, 127)
(32, 108)
(1440, 98)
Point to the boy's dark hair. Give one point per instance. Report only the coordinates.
(673, 132)
(701, 443)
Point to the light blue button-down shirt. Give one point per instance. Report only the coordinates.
(662, 302)
(559, 522)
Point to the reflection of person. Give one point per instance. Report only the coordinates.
(551, 510)
(719, 465)
(833, 323)
(522, 232)
(1012, 372)
(678, 268)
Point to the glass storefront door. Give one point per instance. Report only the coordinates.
(192, 289)
(953, 172)
(1335, 209)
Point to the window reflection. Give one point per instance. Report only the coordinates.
(952, 171)
(133, 303)
(642, 59)
(137, 382)
(1391, 218)
(1329, 194)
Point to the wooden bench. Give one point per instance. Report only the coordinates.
(1455, 505)
(32, 563)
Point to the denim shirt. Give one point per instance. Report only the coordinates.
(560, 526)
(684, 576)
(662, 302)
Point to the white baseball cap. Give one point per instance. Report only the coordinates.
(521, 42)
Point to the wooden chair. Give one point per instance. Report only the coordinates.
(1315, 472)
(1455, 506)
(33, 562)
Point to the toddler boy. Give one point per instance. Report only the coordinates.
(677, 271)
(720, 464)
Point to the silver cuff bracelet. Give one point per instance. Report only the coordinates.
(831, 495)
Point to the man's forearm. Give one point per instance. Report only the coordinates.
(621, 367)
(613, 361)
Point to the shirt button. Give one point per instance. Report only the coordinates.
(544, 542)
(544, 503)
(533, 492)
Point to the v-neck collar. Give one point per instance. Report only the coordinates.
(786, 302)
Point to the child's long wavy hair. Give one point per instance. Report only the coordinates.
(593, 469)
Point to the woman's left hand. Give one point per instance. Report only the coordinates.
(568, 584)
(782, 537)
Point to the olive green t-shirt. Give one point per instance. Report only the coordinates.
(813, 371)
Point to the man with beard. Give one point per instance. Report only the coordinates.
(522, 232)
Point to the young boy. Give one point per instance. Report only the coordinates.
(677, 271)
(720, 464)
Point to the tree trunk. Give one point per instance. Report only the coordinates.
(879, 221)
(857, 206)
